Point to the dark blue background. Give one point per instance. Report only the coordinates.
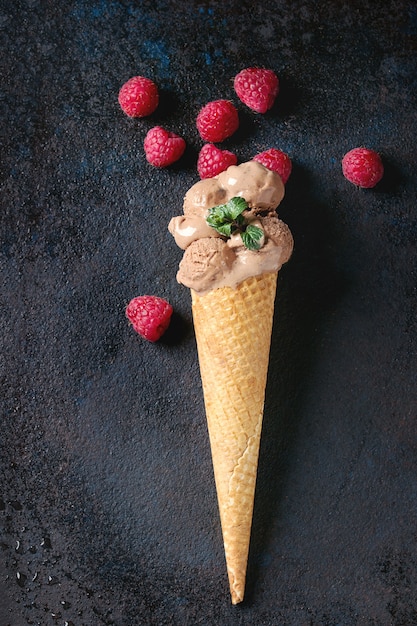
(108, 509)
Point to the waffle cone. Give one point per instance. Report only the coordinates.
(233, 331)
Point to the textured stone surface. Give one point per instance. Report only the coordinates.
(107, 508)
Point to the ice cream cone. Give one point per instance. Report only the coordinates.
(233, 331)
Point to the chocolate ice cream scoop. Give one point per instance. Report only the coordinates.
(277, 231)
(261, 188)
(204, 262)
(202, 196)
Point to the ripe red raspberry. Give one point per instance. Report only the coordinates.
(257, 88)
(217, 120)
(277, 161)
(162, 148)
(149, 315)
(139, 97)
(362, 167)
(212, 161)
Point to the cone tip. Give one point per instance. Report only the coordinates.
(237, 596)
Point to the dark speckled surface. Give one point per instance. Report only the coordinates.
(108, 513)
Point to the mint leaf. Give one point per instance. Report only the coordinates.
(235, 207)
(227, 219)
(216, 217)
(225, 229)
(252, 237)
(230, 213)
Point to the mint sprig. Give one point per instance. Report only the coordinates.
(227, 219)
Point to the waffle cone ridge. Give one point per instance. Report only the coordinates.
(233, 331)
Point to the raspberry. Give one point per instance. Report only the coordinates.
(211, 160)
(139, 97)
(257, 88)
(149, 315)
(362, 167)
(217, 120)
(277, 161)
(162, 148)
